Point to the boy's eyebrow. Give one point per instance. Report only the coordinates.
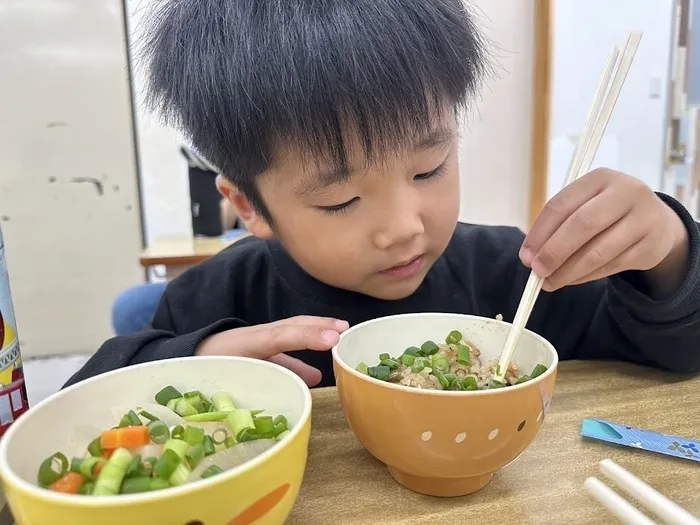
(325, 178)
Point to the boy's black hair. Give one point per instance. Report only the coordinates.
(242, 77)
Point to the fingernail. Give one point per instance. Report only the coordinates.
(342, 325)
(329, 336)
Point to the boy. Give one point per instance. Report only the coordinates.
(333, 124)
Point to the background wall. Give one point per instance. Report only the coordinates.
(68, 179)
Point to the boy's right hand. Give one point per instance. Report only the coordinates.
(270, 341)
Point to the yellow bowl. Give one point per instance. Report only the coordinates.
(261, 491)
(435, 442)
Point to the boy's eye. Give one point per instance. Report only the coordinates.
(338, 208)
(431, 174)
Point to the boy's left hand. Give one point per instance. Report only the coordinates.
(603, 224)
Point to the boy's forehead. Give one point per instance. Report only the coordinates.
(310, 173)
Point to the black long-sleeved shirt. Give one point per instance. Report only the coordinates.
(255, 282)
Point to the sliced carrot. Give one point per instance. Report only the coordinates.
(107, 454)
(126, 437)
(68, 484)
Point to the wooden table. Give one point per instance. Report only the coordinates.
(179, 253)
(344, 484)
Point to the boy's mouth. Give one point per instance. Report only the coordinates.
(406, 268)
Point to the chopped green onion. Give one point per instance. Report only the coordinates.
(362, 368)
(148, 465)
(384, 356)
(194, 455)
(180, 475)
(206, 417)
(230, 441)
(450, 377)
(407, 360)
(444, 383)
(281, 436)
(211, 471)
(281, 419)
(456, 384)
(136, 485)
(239, 420)
(159, 484)
(197, 400)
(124, 422)
(391, 363)
(94, 448)
(429, 348)
(220, 434)
(166, 464)
(194, 435)
(464, 356)
(538, 371)
(112, 474)
(86, 488)
(248, 435)
(453, 338)
(414, 351)
(134, 419)
(182, 407)
(522, 379)
(209, 447)
(257, 412)
(495, 384)
(167, 394)
(178, 446)
(440, 363)
(52, 469)
(148, 415)
(134, 467)
(89, 465)
(469, 383)
(75, 465)
(178, 432)
(381, 372)
(418, 366)
(223, 402)
(278, 429)
(159, 432)
(264, 425)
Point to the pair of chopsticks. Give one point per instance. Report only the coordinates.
(653, 500)
(599, 113)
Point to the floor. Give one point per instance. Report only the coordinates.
(46, 376)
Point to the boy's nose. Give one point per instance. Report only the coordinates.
(399, 227)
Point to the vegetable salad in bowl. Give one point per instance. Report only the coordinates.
(207, 440)
(179, 439)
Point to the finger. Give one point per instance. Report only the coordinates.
(601, 254)
(312, 320)
(310, 375)
(264, 341)
(557, 210)
(583, 225)
(620, 263)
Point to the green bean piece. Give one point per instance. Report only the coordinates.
(167, 394)
(464, 356)
(381, 372)
(469, 383)
(453, 338)
(538, 371)
(429, 348)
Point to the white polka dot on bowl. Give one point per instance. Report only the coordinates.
(539, 417)
(460, 437)
(493, 434)
(425, 436)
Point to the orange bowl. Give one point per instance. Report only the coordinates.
(436, 442)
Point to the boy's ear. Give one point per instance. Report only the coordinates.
(256, 223)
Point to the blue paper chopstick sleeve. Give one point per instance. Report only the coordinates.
(645, 439)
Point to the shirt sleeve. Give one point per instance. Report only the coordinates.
(159, 342)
